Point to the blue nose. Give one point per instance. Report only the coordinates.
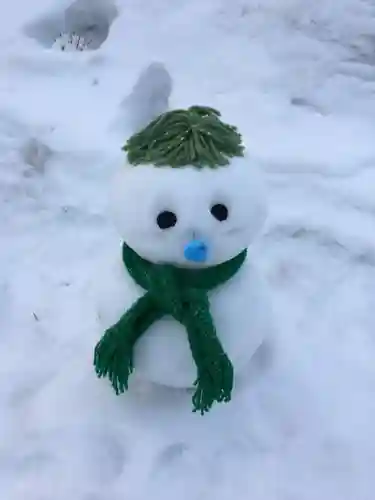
(196, 251)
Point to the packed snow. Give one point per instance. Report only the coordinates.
(298, 79)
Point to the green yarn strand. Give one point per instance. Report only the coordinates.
(215, 370)
(113, 355)
(178, 138)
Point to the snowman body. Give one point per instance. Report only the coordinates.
(162, 355)
(159, 213)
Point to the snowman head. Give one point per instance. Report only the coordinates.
(199, 208)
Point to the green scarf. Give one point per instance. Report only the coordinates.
(182, 294)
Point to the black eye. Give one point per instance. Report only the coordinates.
(220, 212)
(166, 219)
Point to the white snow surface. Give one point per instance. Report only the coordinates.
(298, 78)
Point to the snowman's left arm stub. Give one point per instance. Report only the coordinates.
(113, 291)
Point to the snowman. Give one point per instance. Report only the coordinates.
(184, 306)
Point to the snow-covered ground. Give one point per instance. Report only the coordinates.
(298, 78)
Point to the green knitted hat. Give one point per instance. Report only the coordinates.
(194, 136)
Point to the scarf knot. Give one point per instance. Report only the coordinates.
(183, 294)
